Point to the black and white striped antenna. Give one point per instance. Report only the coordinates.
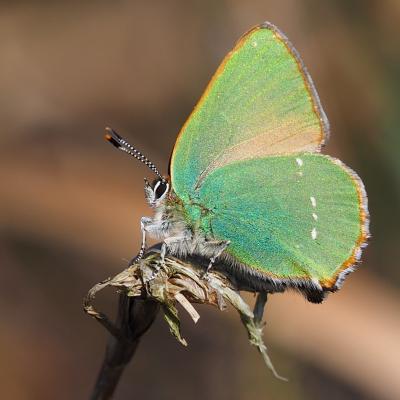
(120, 143)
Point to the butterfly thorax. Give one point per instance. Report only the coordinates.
(169, 219)
(183, 226)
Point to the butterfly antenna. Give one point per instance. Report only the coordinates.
(120, 143)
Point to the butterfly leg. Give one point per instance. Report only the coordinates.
(168, 242)
(177, 243)
(163, 252)
(219, 247)
(144, 222)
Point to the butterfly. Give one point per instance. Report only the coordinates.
(248, 186)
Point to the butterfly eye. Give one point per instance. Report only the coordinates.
(160, 189)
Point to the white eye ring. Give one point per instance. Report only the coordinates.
(156, 187)
(155, 190)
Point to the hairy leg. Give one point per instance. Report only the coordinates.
(175, 241)
(220, 247)
(216, 248)
(144, 222)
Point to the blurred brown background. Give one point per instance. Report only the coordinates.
(70, 203)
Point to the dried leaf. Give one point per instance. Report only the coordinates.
(184, 302)
(171, 316)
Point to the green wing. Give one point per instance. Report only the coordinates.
(296, 217)
(261, 101)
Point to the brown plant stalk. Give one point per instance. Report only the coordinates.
(148, 286)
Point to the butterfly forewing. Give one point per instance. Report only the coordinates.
(260, 102)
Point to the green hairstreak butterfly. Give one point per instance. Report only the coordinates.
(248, 185)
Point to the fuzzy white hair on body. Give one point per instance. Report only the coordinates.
(169, 225)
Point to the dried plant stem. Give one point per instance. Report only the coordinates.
(148, 285)
(134, 317)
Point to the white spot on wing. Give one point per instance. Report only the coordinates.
(315, 216)
(299, 162)
(313, 201)
(314, 233)
(254, 44)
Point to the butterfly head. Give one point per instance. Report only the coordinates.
(157, 190)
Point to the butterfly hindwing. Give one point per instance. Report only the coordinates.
(261, 101)
(300, 216)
